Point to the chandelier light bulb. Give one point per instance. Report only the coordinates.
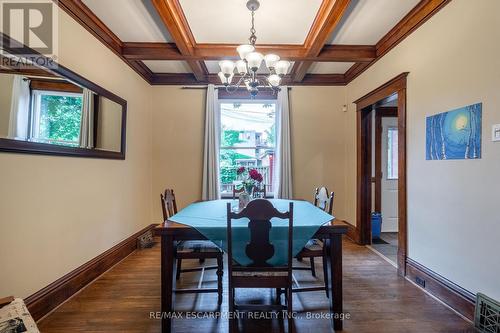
(271, 60)
(241, 67)
(222, 78)
(282, 67)
(244, 50)
(226, 67)
(274, 80)
(254, 60)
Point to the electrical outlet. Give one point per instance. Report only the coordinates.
(420, 282)
(495, 133)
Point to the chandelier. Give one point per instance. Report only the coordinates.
(250, 61)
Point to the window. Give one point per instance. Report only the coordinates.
(248, 138)
(392, 153)
(56, 117)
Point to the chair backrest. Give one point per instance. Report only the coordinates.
(324, 201)
(237, 191)
(259, 192)
(168, 204)
(259, 249)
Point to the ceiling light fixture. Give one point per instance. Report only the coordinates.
(250, 62)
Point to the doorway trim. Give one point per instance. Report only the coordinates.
(364, 108)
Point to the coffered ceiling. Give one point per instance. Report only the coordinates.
(330, 42)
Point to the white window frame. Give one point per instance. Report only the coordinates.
(244, 101)
(36, 96)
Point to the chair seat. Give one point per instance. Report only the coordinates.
(314, 245)
(258, 274)
(197, 246)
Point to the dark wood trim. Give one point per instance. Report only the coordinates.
(328, 17)
(423, 11)
(364, 160)
(45, 300)
(169, 51)
(54, 85)
(189, 79)
(352, 233)
(461, 300)
(15, 146)
(380, 113)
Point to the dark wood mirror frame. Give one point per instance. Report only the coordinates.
(17, 146)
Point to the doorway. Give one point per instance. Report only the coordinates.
(385, 179)
(393, 95)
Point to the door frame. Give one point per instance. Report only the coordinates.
(364, 108)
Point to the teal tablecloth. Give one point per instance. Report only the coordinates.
(209, 218)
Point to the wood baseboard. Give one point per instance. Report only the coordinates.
(352, 233)
(450, 293)
(43, 301)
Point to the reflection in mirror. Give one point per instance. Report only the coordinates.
(52, 110)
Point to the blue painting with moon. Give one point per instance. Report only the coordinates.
(455, 135)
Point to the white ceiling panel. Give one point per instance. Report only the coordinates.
(167, 66)
(213, 67)
(131, 20)
(229, 21)
(329, 67)
(367, 21)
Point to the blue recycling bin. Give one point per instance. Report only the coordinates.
(376, 224)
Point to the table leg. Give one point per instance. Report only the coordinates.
(334, 252)
(167, 279)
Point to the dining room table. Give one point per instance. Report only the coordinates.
(207, 220)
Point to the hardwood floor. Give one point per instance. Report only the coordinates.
(389, 250)
(376, 299)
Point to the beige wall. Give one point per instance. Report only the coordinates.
(6, 81)
(453, 221)
(57, 213)
(317, 141)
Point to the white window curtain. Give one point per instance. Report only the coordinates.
(19, 108)
(283, 167)
(211, 147)
(87, 122)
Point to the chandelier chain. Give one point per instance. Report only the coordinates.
(253, 37)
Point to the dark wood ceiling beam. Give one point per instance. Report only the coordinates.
(152, 51)
(423, 11)
(175, 21)
(327, 19)
(188, 79)
(169, 51)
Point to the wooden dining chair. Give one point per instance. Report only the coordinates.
(259, 192)
(200, 250)
(259, 274)
(315, 247)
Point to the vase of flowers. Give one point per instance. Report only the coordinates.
(250, 179)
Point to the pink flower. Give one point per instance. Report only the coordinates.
(255, 175)
(240, 170)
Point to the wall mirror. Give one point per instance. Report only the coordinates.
(57, 112)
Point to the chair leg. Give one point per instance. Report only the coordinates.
(313, 269)
(289, 309)
(325, 274)
(178, 270)
(220, 273)
(232, 318)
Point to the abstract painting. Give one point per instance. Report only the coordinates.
(456, 134)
